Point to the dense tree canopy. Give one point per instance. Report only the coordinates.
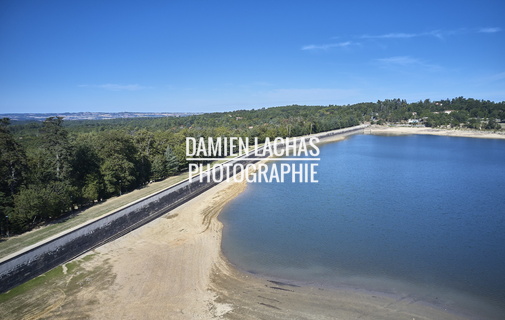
(50, 168)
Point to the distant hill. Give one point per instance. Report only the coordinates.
(92, 115)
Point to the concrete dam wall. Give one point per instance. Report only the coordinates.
(50, 253)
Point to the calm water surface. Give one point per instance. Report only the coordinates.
(417, 215)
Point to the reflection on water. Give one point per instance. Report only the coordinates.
(424, 214)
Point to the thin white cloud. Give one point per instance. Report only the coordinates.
(489, 30)
(119, 87)
(494, 77)
(400, 60)
(398, 35)
(440, 34)
(406, 61)
(328, 46)
(115, 87)
(433, 33)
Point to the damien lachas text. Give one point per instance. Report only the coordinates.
(217, 159)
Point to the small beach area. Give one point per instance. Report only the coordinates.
(401, 130)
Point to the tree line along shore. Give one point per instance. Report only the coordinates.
(51, 168)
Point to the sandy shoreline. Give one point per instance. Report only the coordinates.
(173, 268)
(385, 130)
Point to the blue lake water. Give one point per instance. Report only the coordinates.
(416, 215)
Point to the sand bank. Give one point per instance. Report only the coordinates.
(173, 268)
(385, 130)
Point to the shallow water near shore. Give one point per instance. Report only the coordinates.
(416, 216)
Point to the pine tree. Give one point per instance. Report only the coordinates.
(172, 164)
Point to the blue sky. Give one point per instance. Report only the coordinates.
(204, 56)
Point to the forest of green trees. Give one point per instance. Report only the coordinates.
(51, 168)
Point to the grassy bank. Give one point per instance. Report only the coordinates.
(16, 243)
